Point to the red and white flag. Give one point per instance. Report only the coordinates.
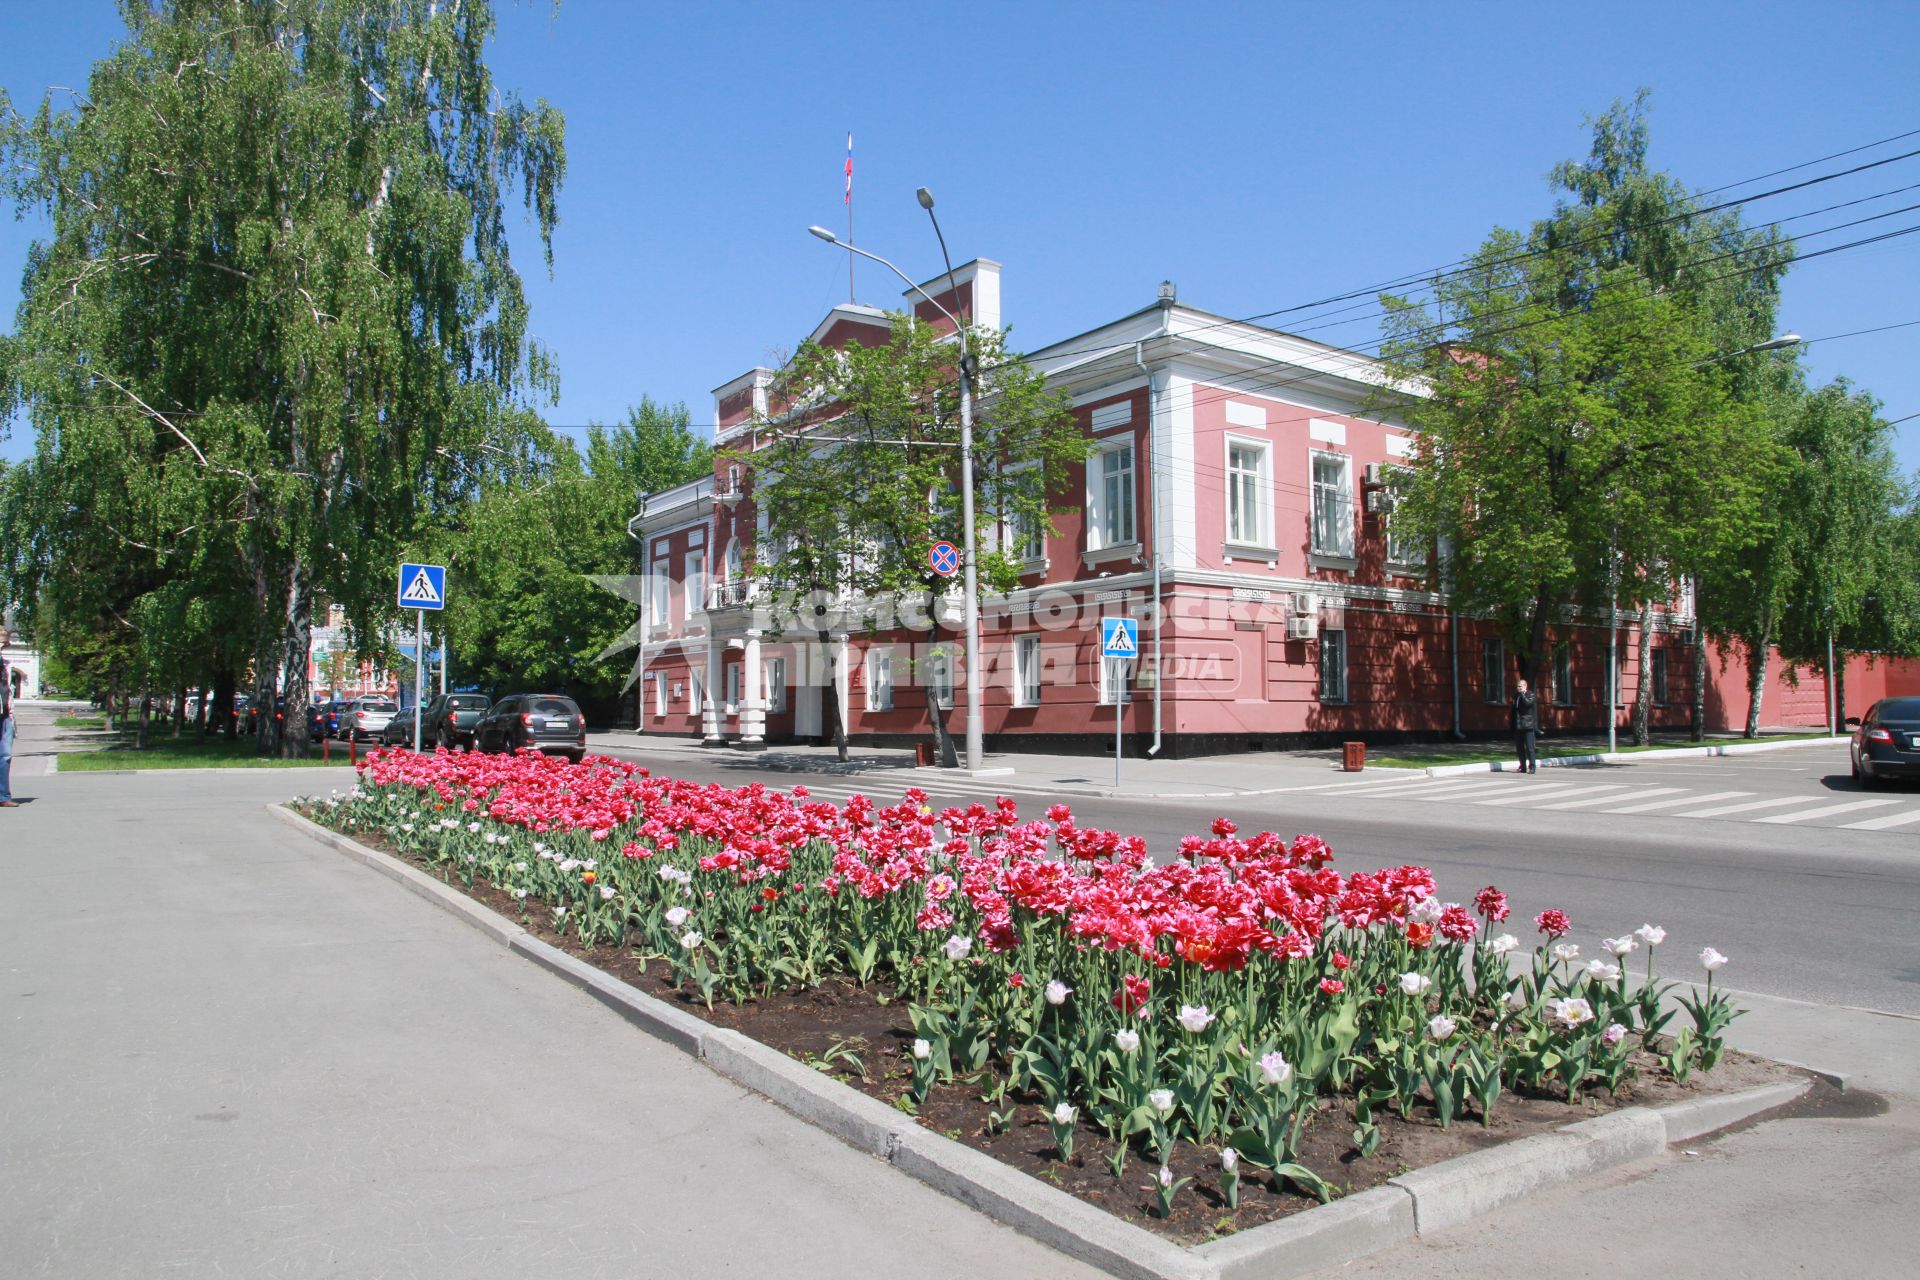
(849, 198)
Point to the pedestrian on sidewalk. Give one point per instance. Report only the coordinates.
(1526, 723)
(6, 725)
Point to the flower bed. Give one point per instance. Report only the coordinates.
(1207, 1021)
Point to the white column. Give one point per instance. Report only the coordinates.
(753, 708)
(710, 735)
(843, 672)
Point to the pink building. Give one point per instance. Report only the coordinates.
(1234, 504)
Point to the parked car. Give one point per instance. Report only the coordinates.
(1887, 742)
(337, 714)
(543, 721)
(450, 719)
(398, 731)
(317, 722)
(365, 717)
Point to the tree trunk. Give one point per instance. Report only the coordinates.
(1757, 647)
(837, 729)
(1642, 684)
(1697, 723)
(299, 635)
(146, 719)
(942, 733)
(221, 713)
(179, 711)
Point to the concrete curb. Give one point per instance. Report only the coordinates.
(1400, 1212)
(1626, 757)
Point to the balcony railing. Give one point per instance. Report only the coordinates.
(730, 595)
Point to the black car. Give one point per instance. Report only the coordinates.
(452, 717)
(1887, 743)
(543, 721)
(398, 732)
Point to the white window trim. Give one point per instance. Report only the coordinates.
(1010, 534)
(1340, 556)
(694, 581)
(660, 591)
(879, 656)
(1345, 694)
(660, 704)
(1026, 659)
(1563, 684)
(1261, 545)
(1096, 510)
(773, 685)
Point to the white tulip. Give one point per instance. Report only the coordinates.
(1415, 984)
(1057, 992)
(1711, 959)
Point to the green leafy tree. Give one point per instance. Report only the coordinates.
(862, 476)
(1579, 447)
(524, 610)
(279, 282)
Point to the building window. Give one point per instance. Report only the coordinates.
(696, 584)
(1493, 669)
(1333, 504)
(1563, 674)
(1333, 666)
(1660, 677)
(880, 678)
(1402, 546)
(659, 593)
(940, 678)
(1110, 498)
(1247, 486)
(1027, 537)
(774, 683)
(1026, 671)
(734, 670)
(659, 693)
(696, 691)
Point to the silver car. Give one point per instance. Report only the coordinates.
(366, 717)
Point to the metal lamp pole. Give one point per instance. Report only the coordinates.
(970, 582)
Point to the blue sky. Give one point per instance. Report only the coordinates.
(1260, 155)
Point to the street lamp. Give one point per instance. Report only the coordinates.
(970, 582)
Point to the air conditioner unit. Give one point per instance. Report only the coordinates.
(1302, 628)
(1375, 475)
(1305, 604)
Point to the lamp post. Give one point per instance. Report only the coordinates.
(970, 583)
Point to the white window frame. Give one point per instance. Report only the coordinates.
(1253, 486)
(1026, 671)
(879, 662)
(659, 693)
(1104, 529)
(696, 691)
(939, 676)
(1493, 670)
(1333, 691)
(1337, 544)
(660, 590)
(1402, 549)
(1563, 674)
(773, 685)
(734, 678)
(1661, 672)
(696, 581)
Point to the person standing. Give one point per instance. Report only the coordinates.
(1526, 724)
(6, 725)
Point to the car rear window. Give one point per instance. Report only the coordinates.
(468, 702)
(553, 707)
(1900, 709)
(378, 706)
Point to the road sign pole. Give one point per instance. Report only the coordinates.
(1119, 666)
(419, 669)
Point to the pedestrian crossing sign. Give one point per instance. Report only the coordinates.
(1119, 638)
(423, 586)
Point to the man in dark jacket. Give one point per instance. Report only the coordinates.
(1526, 723)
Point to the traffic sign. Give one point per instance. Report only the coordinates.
(423, 586)
(1119, 638)
(944, 557)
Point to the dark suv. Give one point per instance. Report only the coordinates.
(452, 717)
(544, 721)
(1887, 742)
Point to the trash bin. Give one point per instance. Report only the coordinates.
(923, 754)
(1355, 756)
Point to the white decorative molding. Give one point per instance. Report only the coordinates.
(1242, 414)
(1108, 416)
(1399, 446)
(1327, 432)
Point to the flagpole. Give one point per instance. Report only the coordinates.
(850, 240)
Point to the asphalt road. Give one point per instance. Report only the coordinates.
(1807, 908)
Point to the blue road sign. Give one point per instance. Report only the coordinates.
(945, 559)
(1119, 638)
(423, 586)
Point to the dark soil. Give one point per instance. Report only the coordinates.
(861, 1037)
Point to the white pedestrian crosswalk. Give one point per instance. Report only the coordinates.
(1537, 792)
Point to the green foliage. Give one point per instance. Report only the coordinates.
(522, 612)
(1579, 441)
(275, 327)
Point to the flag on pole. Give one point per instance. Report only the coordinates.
(849, 198)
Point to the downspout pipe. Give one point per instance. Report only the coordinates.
(1153, 524)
